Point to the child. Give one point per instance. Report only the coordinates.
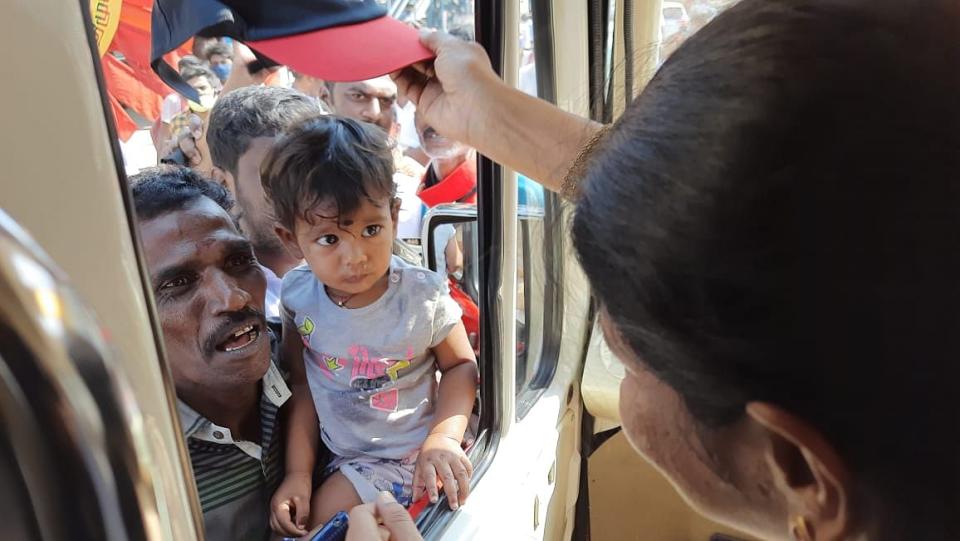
(364, 334)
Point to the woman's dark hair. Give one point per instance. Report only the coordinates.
(323, 160)
(771, 220)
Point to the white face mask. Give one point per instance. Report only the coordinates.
(206, 103)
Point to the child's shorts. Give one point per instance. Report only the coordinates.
(371, 475)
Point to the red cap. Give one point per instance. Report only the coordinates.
(352, 52)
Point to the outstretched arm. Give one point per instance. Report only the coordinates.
(461, 97)
(441, 455)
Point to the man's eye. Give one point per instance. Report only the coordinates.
(372, 230)
(355, 96)
(174, 283)
(327, 240)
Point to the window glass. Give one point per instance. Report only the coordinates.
(680, 19)
(535, 262)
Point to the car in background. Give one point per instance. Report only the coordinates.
(674, 20)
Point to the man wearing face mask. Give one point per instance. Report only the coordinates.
(219, 56)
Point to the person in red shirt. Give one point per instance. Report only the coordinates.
(451, 175)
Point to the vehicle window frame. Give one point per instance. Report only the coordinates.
(530, 391)
(488, 27)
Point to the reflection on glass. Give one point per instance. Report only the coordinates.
(455, 254)
(681, 19)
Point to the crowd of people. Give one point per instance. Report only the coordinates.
(763, 231)
(271, 231)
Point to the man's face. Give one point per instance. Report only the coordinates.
(255, 212)
(203, 86)
(437, 146)
(208, 92)
(368, 101)
(209, 292)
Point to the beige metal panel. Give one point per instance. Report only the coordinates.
(59, 182)
(602, 374)
(631, 501)
(572, 72)
(571, 67)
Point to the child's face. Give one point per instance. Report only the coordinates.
(348, 254)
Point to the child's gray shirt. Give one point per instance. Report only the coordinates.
(371, 370)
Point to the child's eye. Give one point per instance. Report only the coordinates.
(372, 230)
(327, 240)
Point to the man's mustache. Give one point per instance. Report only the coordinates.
(229, 323)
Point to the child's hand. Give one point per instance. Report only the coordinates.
(290, 505)
(441, 458)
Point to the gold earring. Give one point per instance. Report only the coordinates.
(800, 529)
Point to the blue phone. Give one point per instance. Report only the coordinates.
(334, 530)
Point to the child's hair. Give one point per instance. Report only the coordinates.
(327, 159)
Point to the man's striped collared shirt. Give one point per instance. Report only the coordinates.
(236, 478)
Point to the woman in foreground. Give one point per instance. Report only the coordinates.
(766, 230)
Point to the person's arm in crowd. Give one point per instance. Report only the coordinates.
(441, 455)
(193, 144)
(290, 505)
(453, 255)
(462, 98)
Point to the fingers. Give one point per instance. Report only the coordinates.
(188, 146)
(418, 488)
(301, 513)
(430, 39)
(423, 67)
(273, 523)
(463, 471)
(364, 525)
(450, 484)
(428, 474)
(410, 83)
(396, 519)
(282, 518)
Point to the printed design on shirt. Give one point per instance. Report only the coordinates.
(371, 374)
(387, 401)
(331, 363)
(394, 371)
(328, 364)
(306, 329)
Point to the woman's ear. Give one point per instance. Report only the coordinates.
(289, 240)
(812, 477)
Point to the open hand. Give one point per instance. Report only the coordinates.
(442, 459)
(449, 93)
